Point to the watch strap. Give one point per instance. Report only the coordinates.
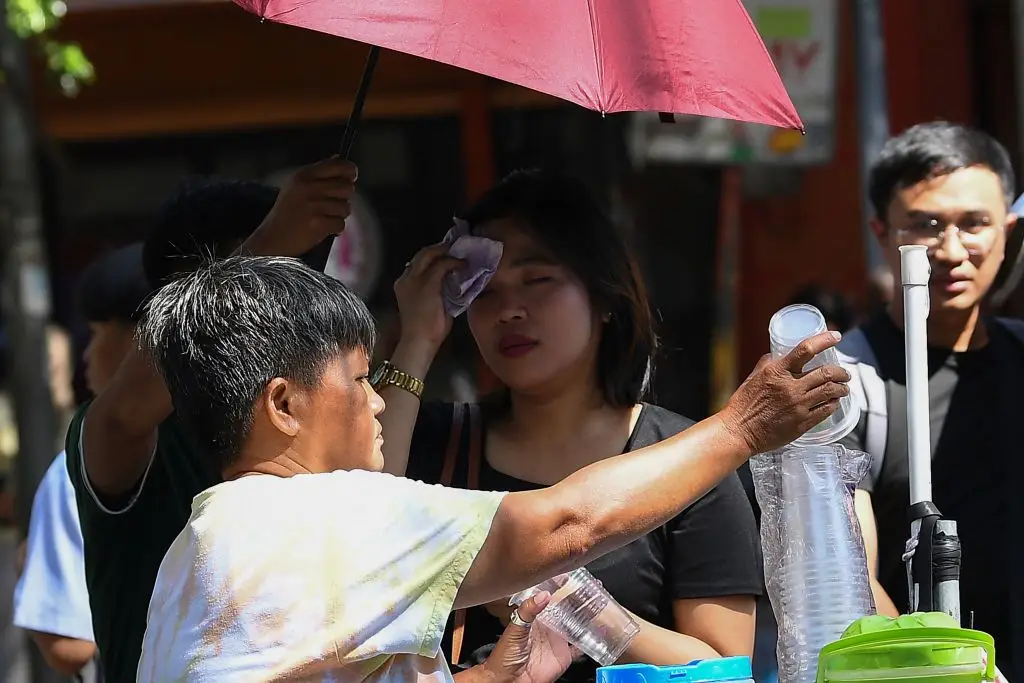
(392, 376)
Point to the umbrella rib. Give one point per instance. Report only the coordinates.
(277, 16)
(598, 62)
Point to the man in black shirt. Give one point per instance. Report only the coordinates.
(949, 188)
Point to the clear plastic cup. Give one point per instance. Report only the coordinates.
(787, 328)
(583, 613)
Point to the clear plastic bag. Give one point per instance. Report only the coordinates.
(814, 561)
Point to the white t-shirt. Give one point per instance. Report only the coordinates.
(347, 577)
(51, 596)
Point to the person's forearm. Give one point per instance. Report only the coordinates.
(136, 398)
(267, 240)
(542, 533)
(883, 603)
(622, 498)
(663, 647)
(67, 656)
(865, 512)
(399, 419)
(120, 426)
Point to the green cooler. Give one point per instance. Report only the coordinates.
(918, 648)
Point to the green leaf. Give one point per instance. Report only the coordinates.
(34, 22)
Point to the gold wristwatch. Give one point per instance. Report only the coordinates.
(387, 374)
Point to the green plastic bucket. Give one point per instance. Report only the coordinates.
(908, 649)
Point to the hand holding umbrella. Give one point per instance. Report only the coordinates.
(310, 210)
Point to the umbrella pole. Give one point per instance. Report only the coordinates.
(356, 117)
(317, 257)
(933, 551)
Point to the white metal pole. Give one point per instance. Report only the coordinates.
(915, 272)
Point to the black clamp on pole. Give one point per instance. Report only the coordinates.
(919, 573)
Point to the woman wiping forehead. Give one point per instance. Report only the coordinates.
(537, 330)
(566, 326)
(546, 217)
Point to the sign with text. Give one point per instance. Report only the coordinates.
(801, 37)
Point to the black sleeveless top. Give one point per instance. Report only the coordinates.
(710, 550)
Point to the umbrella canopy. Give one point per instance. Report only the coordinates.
(677, 56)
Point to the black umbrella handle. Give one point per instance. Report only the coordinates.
(317, 257)
(356, 117)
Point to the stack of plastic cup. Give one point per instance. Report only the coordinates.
(815, 565)
(787, 329)
(820, 584)
(583, 613)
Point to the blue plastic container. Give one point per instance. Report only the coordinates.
(731, 669)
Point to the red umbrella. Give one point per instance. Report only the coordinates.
(680, 56)
(677, 56)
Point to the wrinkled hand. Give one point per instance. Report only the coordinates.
(418, 291)
(313, 205)
(529, 654)
(779, 402)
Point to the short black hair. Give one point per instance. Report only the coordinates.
(567, 219)
(930, 150)
(220, 333)
(204, 218)
(114, 288)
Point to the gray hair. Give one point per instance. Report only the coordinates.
(218, 335)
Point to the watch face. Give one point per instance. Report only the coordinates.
(378, 374)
